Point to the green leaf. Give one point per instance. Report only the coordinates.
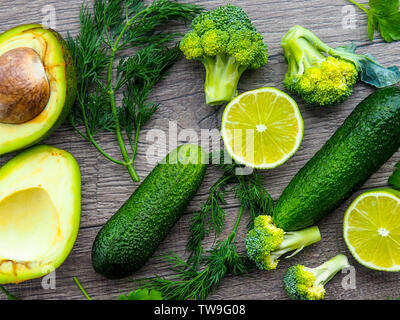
(384, 6)
(373, 73)
(383, 15)
(394, 179)
(349, 48)
(390, 27)
(142, 294)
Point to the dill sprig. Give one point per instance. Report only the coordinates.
(190, 282)
(109, 28)
(9, 295)
(253, 197)
(211, 217)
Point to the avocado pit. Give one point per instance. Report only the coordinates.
(24, 87)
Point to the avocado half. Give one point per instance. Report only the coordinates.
(40, 207)
(37, 85)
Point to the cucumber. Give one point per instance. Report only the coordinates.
(365, 141)
(132, 235)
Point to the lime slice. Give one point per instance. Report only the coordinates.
(371, 229)
(262, 128)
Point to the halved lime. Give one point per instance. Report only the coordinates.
(371, 229)
(262, 128)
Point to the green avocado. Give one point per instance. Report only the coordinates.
(40, 207)
(37, 85)
(365, 141)
(132, 235)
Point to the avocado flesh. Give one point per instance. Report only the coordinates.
(40, 205)
(60, 72)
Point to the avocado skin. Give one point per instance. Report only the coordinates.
(132, 235)
(365, 141)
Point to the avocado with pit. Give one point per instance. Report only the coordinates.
(37, 85)
(40, 208)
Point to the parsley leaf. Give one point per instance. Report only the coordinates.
(383, 15)
(142, 294)
(139, 294)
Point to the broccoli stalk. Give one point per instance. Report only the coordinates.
(296, 241)
(223, 73)
(227, 43)
(266, 243)
(302, 283)
(326, 76)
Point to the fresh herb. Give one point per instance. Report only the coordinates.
(211, 217)
(8, 294)
(383, 15)
(112, 27)
(82, 288)
(140, 294)
(189, 282)
(254, 197)
(394, 179)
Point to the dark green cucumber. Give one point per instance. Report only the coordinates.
(132, 235)
(365, 141)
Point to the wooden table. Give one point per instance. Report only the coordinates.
(106, 186)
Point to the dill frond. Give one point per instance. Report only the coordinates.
(105, 31)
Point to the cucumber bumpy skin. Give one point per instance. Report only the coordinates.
(365, 141)
(132, 235)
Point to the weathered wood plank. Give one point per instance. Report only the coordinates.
(106, 187)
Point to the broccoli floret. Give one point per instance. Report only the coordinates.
(317, 78)
(326, 76)
(227, 43)
(302, 283)
(266, 243)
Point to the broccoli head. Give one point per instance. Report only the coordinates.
(266, 243)
(325, 76)
(302, 283)
(227, 43)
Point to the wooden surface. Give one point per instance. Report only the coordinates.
(106, 186)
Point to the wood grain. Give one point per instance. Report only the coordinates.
(106, 186)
